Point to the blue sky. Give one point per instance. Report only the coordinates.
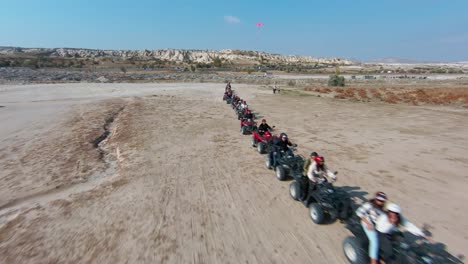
(435, 30)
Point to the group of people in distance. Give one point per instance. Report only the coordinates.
(378, 219)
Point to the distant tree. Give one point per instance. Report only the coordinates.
(123, 69)
(217, 62)
(336, 80)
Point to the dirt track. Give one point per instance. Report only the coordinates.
(176, 183)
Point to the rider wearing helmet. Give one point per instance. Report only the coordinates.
(248, 114)
(318, 169)
(368, 213)
(280, 144)
(263, 127)
(388, 224)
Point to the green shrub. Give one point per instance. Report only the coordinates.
(336, 80)
(217, 62)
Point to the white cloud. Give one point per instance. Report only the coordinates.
(232, 19)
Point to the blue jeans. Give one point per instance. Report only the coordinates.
(373, 241)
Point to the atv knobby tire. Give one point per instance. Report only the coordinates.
(280, 173)
(316, 213)
(354, 252)
(261, 147)
(295, 191)
(243, 130)
(268, 162)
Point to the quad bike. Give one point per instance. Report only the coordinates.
(248, 127)
(227, 98)
(322, 199)
(239, 113)
(261, 141)
(356, 247)
(286, 164)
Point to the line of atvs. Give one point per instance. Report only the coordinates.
(325, 202)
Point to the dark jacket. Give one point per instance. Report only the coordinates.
(248, 116)
(280, 145)
(263, 127)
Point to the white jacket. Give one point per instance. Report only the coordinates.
(383, 225)
(312, 172)
(370, 212)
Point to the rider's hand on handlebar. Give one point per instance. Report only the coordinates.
(429, 239)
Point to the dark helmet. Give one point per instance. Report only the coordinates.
(283, 135)
(263, 120)
(314, 154)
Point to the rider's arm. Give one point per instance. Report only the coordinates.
(410, 227)
(329, 172)
(363, 211)
(310, 171)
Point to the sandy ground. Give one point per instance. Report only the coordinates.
(175, 182)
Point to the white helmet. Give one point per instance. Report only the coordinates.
(394, 208)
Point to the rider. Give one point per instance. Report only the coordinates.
(263, 127)
(228, 86)
(248, 114)
(368, 213)
(279, 145)
(389, 223)
(318, 169)
(308, 162)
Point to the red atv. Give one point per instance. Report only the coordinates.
(248, 126)
(262, 142)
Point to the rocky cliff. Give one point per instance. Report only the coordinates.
(176, 55)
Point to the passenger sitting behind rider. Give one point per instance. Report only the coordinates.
(308, 162)
(388, 224)
(318, 170)
(263, 127)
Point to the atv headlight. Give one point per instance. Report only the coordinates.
(330, 191)
(404, 246)
(426, 259)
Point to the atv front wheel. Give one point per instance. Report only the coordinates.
(261, 147)
(353, 251)
(243, 130)
(280, 173)
(268, 162)
(295, 190)
(316, 213)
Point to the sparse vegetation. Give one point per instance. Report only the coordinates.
(411, 96)
(336, 80)
(217, 62)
